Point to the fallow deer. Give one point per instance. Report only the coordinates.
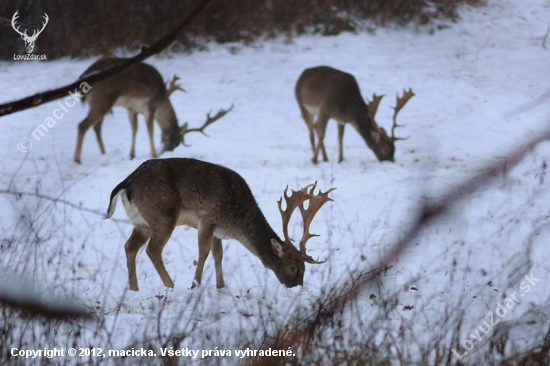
(330, 93)
(141, 90)
(164, 193)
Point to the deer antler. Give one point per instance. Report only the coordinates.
(315, 203)
(373, 105)
(172, 86)
(401, 101)
(46, 18)
(13, 19)
(35, 32)
(297, 199)
(209, 121)
(6, 21)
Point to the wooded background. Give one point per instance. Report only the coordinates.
(86, 28)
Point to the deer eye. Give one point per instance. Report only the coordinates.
(292, 269)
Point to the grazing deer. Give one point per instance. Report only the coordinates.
(329, 93)
(164, 193)
(141, 90)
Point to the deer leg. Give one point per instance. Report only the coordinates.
(132, 116)
(206, 234)
(97, 130)
(312, 138)
(150, 120)
(82, 128)
(159, 238)
(341, 142)
(97, 110)
(137, 239)
(310, 125)
(321, 127)
(217, 253)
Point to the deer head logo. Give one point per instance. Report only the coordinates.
(29, 40)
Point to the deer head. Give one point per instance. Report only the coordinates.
(385, 145)
(29, 40)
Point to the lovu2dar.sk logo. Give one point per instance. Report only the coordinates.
(29, 40)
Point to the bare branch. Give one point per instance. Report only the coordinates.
(545, 36)
(59, 200)
(48, 96)
(299, 334)
(527, 106)
(20, 297)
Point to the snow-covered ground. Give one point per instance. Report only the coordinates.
(465, 77)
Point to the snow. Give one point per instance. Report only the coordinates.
(465, 77)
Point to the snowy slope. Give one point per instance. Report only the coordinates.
(465, 78)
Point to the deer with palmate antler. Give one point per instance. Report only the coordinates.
(141, 90)
(164, 193)
(29, 40)
(330, 93)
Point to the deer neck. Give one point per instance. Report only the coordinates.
(256, 237)
(376, 138)
(168, 123)
(166, 117)
(365, 125)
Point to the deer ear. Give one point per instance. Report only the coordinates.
(278, 248)
(375, 136)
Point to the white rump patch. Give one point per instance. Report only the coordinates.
(133, 212)
(138, 105)
(313, 109)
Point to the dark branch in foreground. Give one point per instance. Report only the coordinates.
(300, 330)
(18, 296)
(48, 96)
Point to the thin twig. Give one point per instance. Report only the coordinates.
(545, 36)
(60, 200)
(300, 334)
(527, 106)
(48, 96)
